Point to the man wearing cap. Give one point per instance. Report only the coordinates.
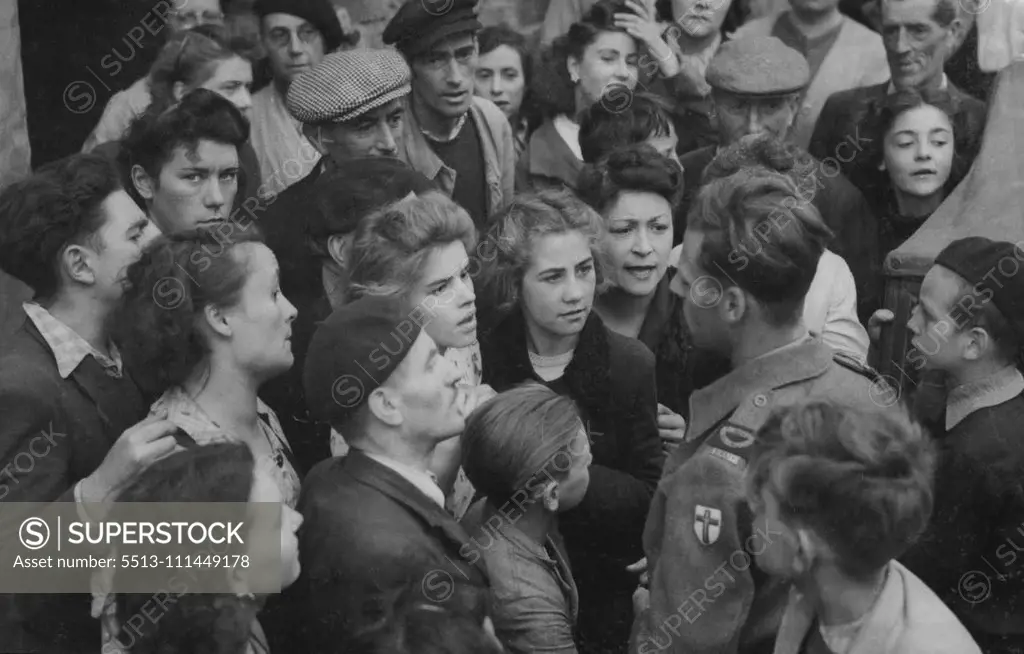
(376, 376)
(744, 302)
(349, 106)
(840, 52)
(756, 87)
(316, 276)
(919, 37)
(969, 324)
(296, 35)
(460, 141)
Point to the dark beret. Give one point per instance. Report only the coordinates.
(758, 65)
(994, 269)
(355, 188)
(354, 352)
(420, 24)
(319, 13)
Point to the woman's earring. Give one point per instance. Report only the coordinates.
(574, 79)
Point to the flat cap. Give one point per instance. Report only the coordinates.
(995, 269)
(357, 187)
(354, 352)
(758, 65)
(347, 84)
(319, 13)
(420, 24)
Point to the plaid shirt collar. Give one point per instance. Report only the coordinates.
(69, 349)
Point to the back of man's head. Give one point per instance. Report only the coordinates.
(761, 235)
(770, 153)
(57, 206)
(605, 126)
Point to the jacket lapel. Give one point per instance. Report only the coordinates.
(551, 157)
(390, 483)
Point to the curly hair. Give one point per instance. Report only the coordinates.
(883, 117)
(514, 437)
(392, 245)
(176, 278)
(191, 58)
(762, 235)
(202, 115)
(507, 250)
(638, 168)
(189, 622)
(859, 479)
(551, 86)
(604, 127)
(57, 206)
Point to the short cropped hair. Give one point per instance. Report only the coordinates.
(638, 168)
(41, 215)
(945, 12)
(603, 127)
(761, 235)
(507, 250)
(517, 439)
(860, 479)
(391, 246)
(202, 115)
(986, 316)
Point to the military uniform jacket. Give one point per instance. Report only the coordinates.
(706, 594)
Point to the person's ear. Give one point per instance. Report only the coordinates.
(807, 551)
(142, 182)
(385, 406)
(978, 343)
(572, 65)
(76, 260)
(178, 91)
(339, 246)
(733, 305)
(881, 166)
(549, 496)
(217, 321)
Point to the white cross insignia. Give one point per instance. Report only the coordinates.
(707, 524)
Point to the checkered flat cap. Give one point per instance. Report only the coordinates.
(347, 84)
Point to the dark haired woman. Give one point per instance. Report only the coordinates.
(503, 75)
(634, 188)
(918, 153)
(206, 323)
(541, 283)
(598, 58)
(222, 623)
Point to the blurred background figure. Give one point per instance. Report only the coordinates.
(503, 75)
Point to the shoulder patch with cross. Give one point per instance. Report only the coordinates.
(707, 524)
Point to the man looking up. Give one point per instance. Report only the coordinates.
(462, 142)
(296, 35)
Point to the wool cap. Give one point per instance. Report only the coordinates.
(347, 84)
(420, 24)
(758, 66)
(354, 352)
(357, 187)
(996, 271)
(319, 13)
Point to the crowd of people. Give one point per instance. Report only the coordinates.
(543, 343)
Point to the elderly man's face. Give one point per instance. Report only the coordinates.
(374, 134)
(741, 115)
(916, 45)
(443, 77)
(195, 13)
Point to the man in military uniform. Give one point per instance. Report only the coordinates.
(749, 254)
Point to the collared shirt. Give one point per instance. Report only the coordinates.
(424, 481)
(70, 349)
(965, 399)
(570, 133)
(942, 86)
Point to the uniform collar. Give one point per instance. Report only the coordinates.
(944, 86)
(755, 380)
(965, 399)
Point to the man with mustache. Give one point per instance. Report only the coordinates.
(296, 35)
(461, 142)
(919, 36)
